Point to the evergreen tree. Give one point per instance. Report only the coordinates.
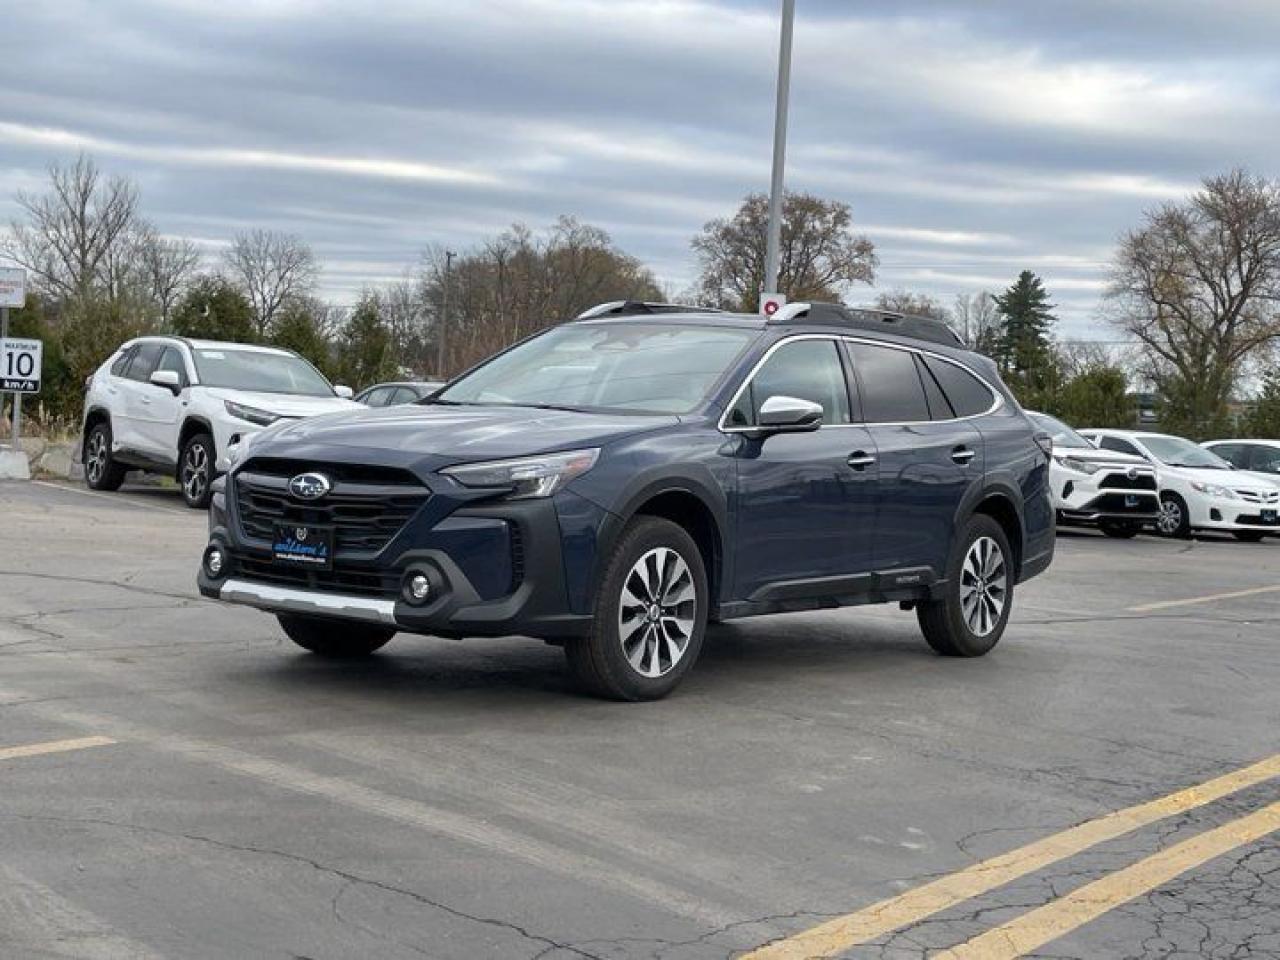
(365, 354)
(214, 309)
(1264, 419)
(297, 328)
(1024, 347)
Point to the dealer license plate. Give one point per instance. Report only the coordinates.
(303, 545)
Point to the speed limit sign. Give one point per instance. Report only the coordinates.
(20, 365)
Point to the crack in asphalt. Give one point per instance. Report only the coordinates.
(116, 584)
(548, 943)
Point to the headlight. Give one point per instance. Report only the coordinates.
(528, 477)
(1079, 466)
(261, 417)
(1213, 490)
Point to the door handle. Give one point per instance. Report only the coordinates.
(962, 455)
(860, 460)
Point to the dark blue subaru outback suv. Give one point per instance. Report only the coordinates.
(614, 483)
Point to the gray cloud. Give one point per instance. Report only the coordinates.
(971, 139)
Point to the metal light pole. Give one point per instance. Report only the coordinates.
(444, 315)
(779, 148)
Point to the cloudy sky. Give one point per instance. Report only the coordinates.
(971, 139)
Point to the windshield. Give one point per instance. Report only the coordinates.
(624, 367)
(1176, 452)
(1063, 436)
(260, 371)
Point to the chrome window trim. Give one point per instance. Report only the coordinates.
(997, 398)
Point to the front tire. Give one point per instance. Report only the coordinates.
(1174, 520)
(970, 619)
(101, 471)
(650, 615)
(195, 471)
(1119, 529)
(334, 639)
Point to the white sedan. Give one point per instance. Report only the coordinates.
(1116, 491)
(1198, 489)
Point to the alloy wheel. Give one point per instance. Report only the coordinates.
(194, 472)
(984, 586)
(1170, 519)
(96, 461)
(657, 613)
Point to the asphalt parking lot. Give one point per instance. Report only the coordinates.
(177, 781)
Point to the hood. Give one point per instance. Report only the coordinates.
(457, 434)
(1098, 455)
(284, 404)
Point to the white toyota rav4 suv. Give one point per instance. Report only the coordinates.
(1117, 491)
(1198, 489)
(172, 405)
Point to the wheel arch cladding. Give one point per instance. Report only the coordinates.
(688, 511)
(193, 426)
(999, 506)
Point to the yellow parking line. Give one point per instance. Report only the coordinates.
(54, 746)
(1211, 598)
(836, 936)
(1033, 930)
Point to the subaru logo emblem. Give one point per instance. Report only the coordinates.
(310, 486)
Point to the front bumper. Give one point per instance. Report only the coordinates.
(1220, 513)
(495, 569)
(1136, 505)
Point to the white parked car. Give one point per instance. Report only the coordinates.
(1260, 459)
(172, 405)
(1116, 491)
(1198, 489)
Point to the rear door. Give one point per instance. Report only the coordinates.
(805, 504)
(928, 456)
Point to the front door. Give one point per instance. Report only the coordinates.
(160, 411)
(805, 502)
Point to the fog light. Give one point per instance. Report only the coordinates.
(418, 588)
(214, 561)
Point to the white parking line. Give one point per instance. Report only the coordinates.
(1211, 598)
(66, 488)
(56, 746)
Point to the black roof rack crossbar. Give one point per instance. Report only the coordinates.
(861, 318)
(632, 308)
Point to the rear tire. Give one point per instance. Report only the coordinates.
(1174, 521)
(970, 619)
(1249, 536)
(334, 639)
(1120, 529)
(650, 615)
(101, 471)
(195, 471)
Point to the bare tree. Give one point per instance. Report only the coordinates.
(270, 267)
(1198, 285)
(913, 304)
(168, 265)
(820, 254)
(519, 282)
(977, 320)
(72, 231)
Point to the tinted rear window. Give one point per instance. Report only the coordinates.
(969, 396)
(891, 387)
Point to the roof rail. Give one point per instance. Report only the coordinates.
(631, 308)
(881, 321)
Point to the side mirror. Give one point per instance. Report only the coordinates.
(343, 392)
(781, 414)
(168, 379)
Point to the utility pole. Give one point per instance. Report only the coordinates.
(779, 148)
(443, 322)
